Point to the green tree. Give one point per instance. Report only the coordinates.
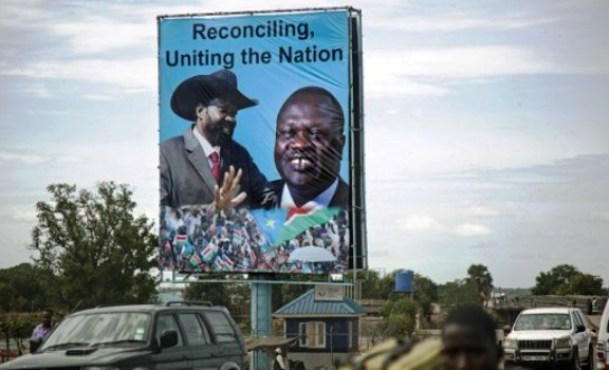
(373, 286)
(234, 296)
(425, 294)
(558, 278)
(370, 284)
(215, 293)
(482, 280)
(21, 289)
(400, 317)
(586, 284)
(91, 249)
(387, 285)
(17, 326)
(285, 293)
(458, 292)
(567, 280)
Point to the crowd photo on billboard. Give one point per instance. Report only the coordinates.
(254, 142)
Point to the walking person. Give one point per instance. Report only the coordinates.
(42, 331)
(279, 363)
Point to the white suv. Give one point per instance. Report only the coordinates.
(550, 336)
(602, 342)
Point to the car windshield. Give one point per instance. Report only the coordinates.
(96, 329)
(543, 321)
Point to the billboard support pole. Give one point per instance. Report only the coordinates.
(260, 314)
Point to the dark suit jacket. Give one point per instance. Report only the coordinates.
(340, 199)
(186, 176)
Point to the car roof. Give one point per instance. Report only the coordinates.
(152, 308)
(541, 310)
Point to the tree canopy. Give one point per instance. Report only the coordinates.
(567, 280)
(482, 280)
(458, 292)
(21, 289)
(400, 316)
(91, 249)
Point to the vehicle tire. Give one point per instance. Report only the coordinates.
(589, 361)
(575, 365)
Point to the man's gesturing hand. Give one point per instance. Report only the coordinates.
(227, 195)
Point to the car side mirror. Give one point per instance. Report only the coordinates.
(507, 329)
(169, 338)
(580, 329)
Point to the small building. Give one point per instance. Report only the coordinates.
(326, 324)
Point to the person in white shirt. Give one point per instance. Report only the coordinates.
(308, 151)
(279, 363)
(205, 165)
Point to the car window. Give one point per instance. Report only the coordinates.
(221, 327)
(578, 318)
(196, 333)
(102, 328)
(164, 323)
(543, 321)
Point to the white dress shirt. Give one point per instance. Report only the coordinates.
(207, 147)
(320, 201)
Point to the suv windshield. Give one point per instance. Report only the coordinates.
(118, 328)
(543, 321)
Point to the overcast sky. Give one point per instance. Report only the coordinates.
(487, 124)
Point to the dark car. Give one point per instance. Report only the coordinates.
(178, 335)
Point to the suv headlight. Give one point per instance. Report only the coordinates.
(562, 342)
(510, 343)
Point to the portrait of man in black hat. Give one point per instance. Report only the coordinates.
(205, 165)
(309, 141)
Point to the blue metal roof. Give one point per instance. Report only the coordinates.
(306, 305)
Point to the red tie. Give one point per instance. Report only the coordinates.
(215, 165)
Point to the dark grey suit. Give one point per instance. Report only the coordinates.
(186, 177)
(340, 199)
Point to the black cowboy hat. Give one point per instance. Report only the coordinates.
(202, 89)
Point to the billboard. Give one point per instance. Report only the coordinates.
(260, 169)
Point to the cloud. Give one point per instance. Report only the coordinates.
(16, 156)
(562, 234)
(137, 74)
(97, 97)
(420, 224)
(29, 159)
(482, 245)
(454, 22)
(23, 216)
(481, 211)
(431, 72)
(464, 62)
(91, 35)
(39, 91)
(469, 229)
(386, 86)
(601, 216)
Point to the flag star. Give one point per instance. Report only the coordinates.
(270, 223)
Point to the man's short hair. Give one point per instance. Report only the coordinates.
(318, 91)
(474, 317)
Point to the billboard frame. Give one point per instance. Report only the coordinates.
(357, 219)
